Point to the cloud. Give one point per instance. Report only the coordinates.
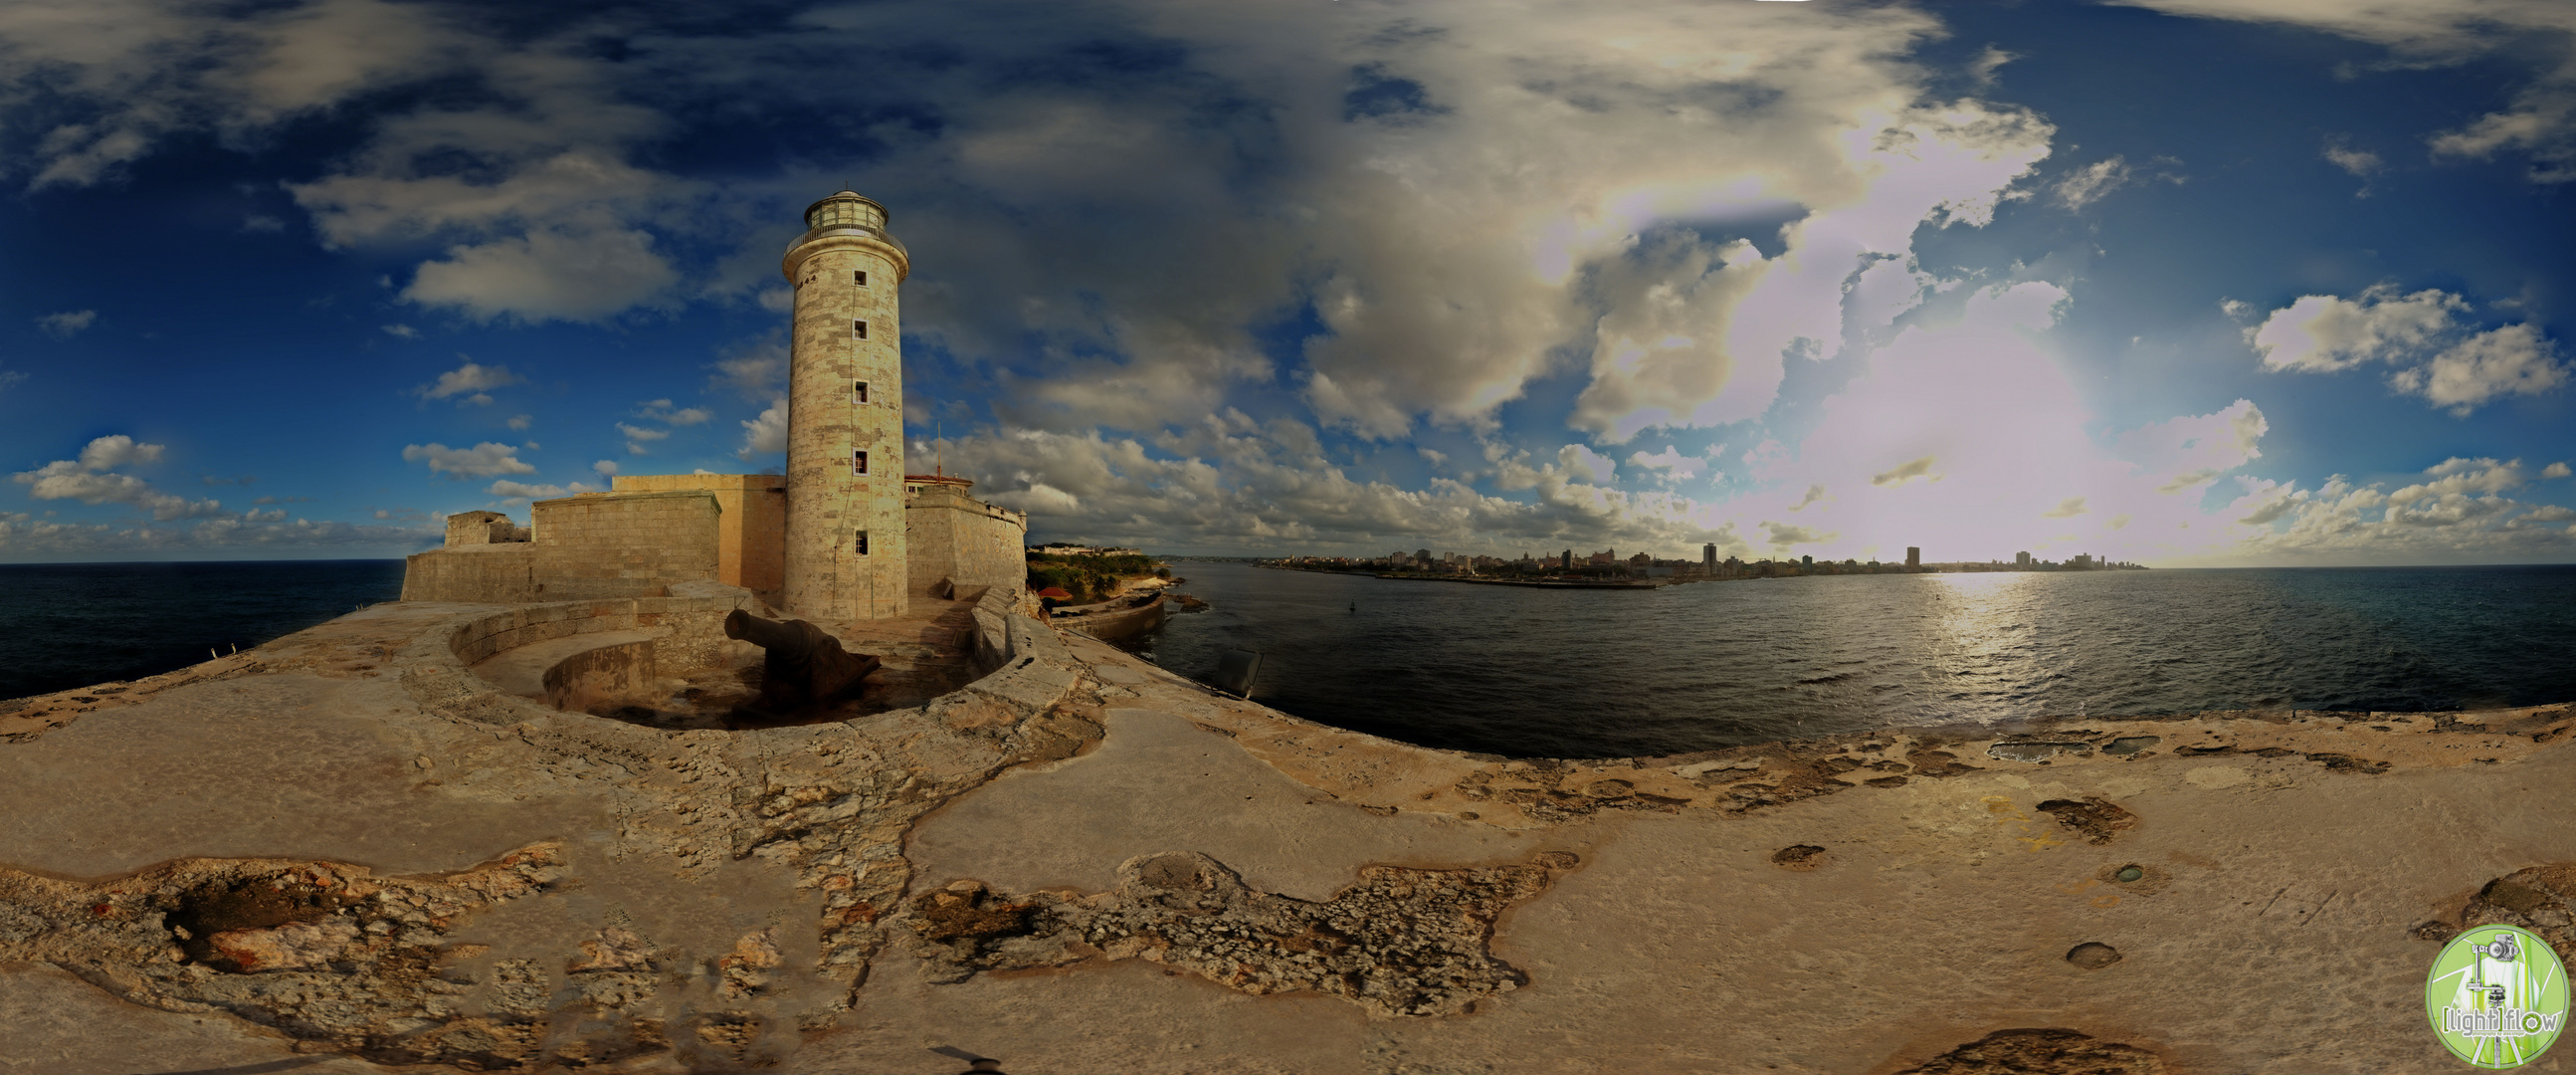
(605, 468)
(2554, 470)
(1918, 468)
(1592, 464)
(472, 381)
(114, 488)
(551, 275)
(65, 325)
(2457, 509)
(2444, 362)
(23, 538)
(2322, 333)
(10, 377)
(2091, 183)
(520, 421)
(485, 460)
(1672, 462)
(1416, 225)
(1987, 63)
(757, 371)
(2193, 449)
(2541, 119)
(88, 480)
(136, 73)
(523, 491)
(1814, 494)
(2361, 163)
(1783, 535)
(2513, 360)
(1403, 146)
(405, 332)
(1965, 435)
(765, 435)
(108, 453)
(1233, 483)
(660, 411)
(638, 436)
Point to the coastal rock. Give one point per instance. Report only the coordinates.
(1093, 864)
(2042, 1052)
(1401, 942)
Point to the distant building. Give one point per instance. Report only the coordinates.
(1913, 558)
(1708, 558)
(2021, 560)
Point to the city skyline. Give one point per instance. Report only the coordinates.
(2178, 282)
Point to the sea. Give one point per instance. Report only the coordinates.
(73, 625)
(1609, 673)
(1625, 673)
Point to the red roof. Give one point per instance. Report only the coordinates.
(1053, 591)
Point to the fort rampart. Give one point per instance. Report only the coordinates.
(950, 535)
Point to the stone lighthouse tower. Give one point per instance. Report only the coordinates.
(845, 493)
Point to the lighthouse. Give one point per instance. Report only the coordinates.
(844, 557)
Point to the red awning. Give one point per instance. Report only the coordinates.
(1053, 591)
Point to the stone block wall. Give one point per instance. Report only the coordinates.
(600, 545)
(688, 631)
(475, 574)
(482, 528)
(948, 534)
(751, 523)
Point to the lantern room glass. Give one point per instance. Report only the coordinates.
(845, 213)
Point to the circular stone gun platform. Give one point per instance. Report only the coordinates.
(348, 847)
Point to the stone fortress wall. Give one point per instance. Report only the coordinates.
(624, 545)
(653, 531)
(751, 522)
(596, 545)
(950, 535)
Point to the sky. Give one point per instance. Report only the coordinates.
(2180, 282)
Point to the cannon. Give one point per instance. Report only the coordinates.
(805, 667)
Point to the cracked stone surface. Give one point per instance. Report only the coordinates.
(1399, 942)
(2042, 1052)
(344, 852)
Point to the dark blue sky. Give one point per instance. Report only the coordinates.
(2179, 281)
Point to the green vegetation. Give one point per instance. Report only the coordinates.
(1088, 578)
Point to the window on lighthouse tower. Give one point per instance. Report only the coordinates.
(858, 463)
(860, 327)
(859, 392)
(859, 277)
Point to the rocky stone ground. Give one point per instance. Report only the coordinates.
(344, 850)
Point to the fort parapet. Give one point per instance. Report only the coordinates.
(651, 532)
